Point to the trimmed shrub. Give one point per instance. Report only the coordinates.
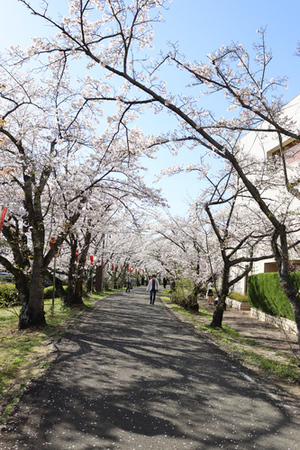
(48, 292)
(266, 294)
(8, 295)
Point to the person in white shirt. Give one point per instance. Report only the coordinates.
(153, 287)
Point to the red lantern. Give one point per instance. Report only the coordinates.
(92, 260)
(112, 267)
(76, 257)
(52, 241)
(2, 215)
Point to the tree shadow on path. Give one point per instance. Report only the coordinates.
(129, 375)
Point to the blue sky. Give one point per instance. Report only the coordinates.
(199, 27)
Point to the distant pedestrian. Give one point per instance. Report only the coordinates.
(128, 283)
(210, 295)
(153, 287)
(143, 280)
(165, 281)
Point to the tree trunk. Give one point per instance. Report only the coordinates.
(99, 279)
(90, 281)
(281, 253)
(59, 288)
(32, 312)
(218, 316)
(76, 299)
(221, 306)
(74, 291)
(114, 280)
(76, 274)
(71, 271)
(293, 296)
(22, 286)
(192, 298)
(74, 296)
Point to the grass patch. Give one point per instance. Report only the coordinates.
(239, 297)
(165, 299)
(271, 367)
(26, 354)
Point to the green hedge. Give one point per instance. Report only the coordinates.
(48, 292)
(266, 294)
(8, 295)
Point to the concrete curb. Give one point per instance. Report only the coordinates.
(280, 322)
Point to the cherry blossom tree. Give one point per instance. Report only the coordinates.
(243, 239)
(116, 242)
(215, 239)
(115, 36)
(30, 148)
(51, 163)
(179, 246)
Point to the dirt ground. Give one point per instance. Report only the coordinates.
(271, 342)
(265, 334)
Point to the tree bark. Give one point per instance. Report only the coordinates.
(32, 312)
(76, 299)
(192, 298)
(99, 279)
(281, 254)
(76, 271)
(218, 315)
(221, 306)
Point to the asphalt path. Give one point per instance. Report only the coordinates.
(129, 375)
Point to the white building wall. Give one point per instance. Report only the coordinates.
(260, 146)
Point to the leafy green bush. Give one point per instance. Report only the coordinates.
(48, 292)
(239, 297)
(184, 294)
(8, 295)
(266, 294)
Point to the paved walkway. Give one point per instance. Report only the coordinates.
(131, 376)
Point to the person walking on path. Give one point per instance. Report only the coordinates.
(165, 281)
(153, 287)
(210, 295)
(128, 284)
